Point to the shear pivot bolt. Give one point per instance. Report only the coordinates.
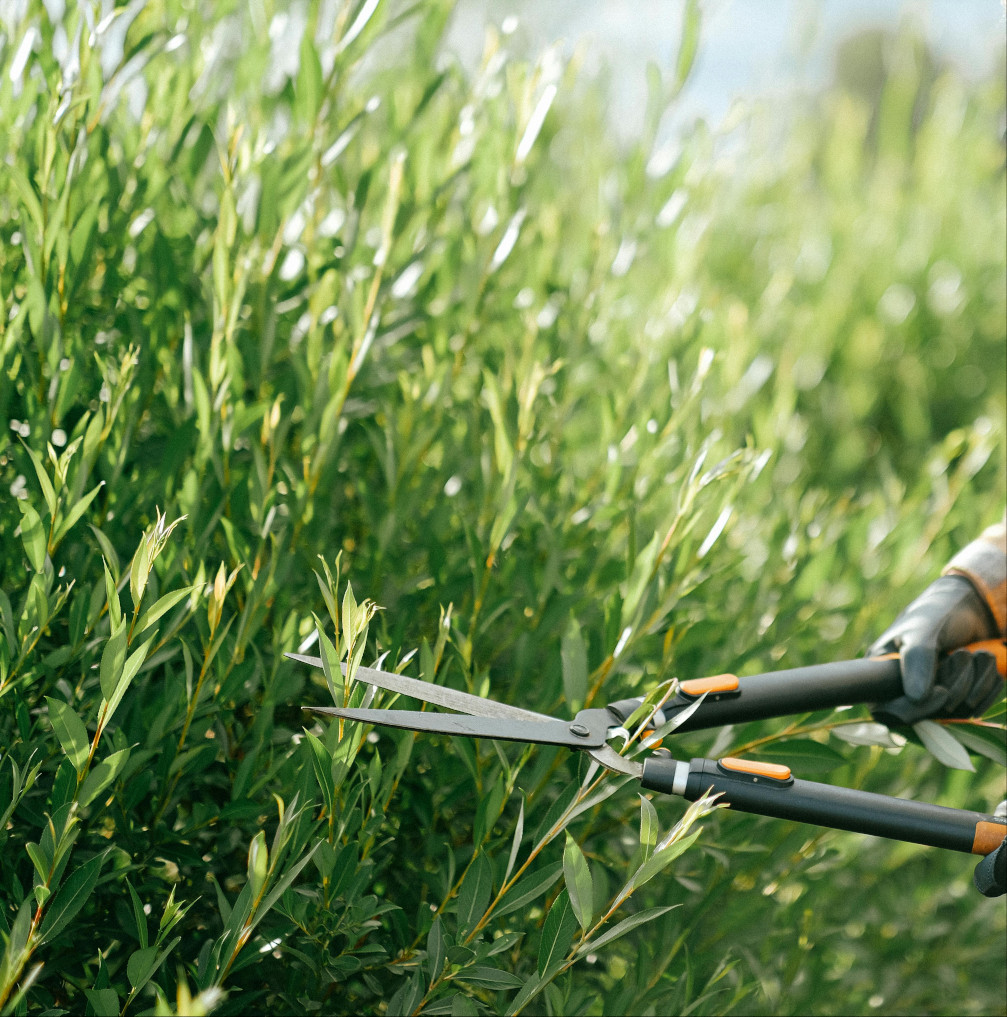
(579, 730)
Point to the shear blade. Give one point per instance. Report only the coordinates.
(547, 732)
(427, 692)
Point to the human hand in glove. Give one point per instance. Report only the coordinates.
(966, 605)
(991, 873)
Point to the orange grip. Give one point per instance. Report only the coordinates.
(988, 837)
(776, 771)
(718, 683)
(995, 646)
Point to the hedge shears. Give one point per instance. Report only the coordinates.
(762, 788)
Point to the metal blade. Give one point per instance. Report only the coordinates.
(572, 734)
(427, 692)
(611, 760)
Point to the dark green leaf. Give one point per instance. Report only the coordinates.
(578, 882)
(70, 731)
(942, 745)
(474, 895)
(557, 934)
(70, 898)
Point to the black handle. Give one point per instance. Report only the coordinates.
(731, 700)
(796, 690)
(768, 790)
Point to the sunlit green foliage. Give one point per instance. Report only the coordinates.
(294, 315)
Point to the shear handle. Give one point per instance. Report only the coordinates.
(804, 689)
(769, 791)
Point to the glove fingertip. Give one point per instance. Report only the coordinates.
(919, 667)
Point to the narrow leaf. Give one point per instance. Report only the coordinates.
(258, 859)
(102, 775)
(516, 845)
(112, 660)
(648, 827)
(988, 741)
(626, 925)
(557, 932)
(662, 859)
(435, 949)
(474, 895)
(578, 882)
(79, 507)
(70, 731)
(43, 478)
(943, 745)
(72, 896)
(530, 888)
(32, 536)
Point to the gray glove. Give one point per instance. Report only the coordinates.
(990, 876)
(947, 615)
(966, 685)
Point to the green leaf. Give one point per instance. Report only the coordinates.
(78, 508)
(140, 965)
(101, 776)
(162, 606)
(70, 731)
(133, 664)
(32, 536)
(309, 90)
(138, 915)
(28, 197)
(474, 895)
(435, 949)
(113, 660)
(578, 882)
(531, 989)
(662, 858)
(942, 745)
(107, 550)
(648, 827)
(112, 596)
(139, 569)
(986, 740)
(626, 925)
(72, 896)
(573, 653)
(516, 843)
(145, 973)
(804, 755)
(258, 860)
(38, 858)
(43, 478)
(529, 888)
(330, 666)
(557, 933)
(321, 763)
(490, 978)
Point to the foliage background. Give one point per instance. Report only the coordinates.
(578, 418)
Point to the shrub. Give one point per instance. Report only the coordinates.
(324, 316)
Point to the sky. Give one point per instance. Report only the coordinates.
(748, 47)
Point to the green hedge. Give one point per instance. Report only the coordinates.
(296, 315)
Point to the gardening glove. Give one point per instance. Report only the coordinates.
(967, 604)
(991, 873)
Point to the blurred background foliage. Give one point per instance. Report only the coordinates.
(282, 283)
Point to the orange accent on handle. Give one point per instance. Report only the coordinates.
(718, 683)
(776, 771)
(988, 837)
(995, 646)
